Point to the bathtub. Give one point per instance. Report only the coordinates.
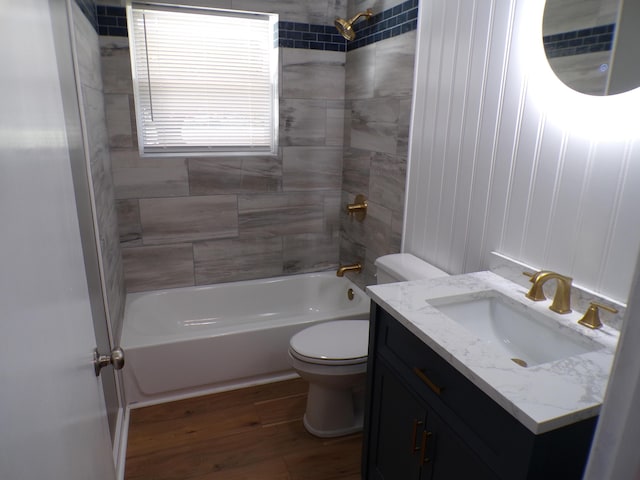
(189, 341)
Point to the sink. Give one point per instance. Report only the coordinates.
(526, 336)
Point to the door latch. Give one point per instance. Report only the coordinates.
(100, 361)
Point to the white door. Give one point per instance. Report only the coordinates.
(52, 414)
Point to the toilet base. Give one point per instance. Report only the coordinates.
(334, 412)
(357, 427)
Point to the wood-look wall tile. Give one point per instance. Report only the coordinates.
(404, 125)
(397, 225)
(118, 116)
(335, 125)
(151, 182)
(129, 222)
(96, 128)
(302, 122)
(394, 65)
(360, 72)
(378, 6)
(88, 56)
(378, 241)
(356, 167)
(152, 268)
(313, 74)
(346, 136)
(291, 10)
(374, 124)
(235, 175)
(332, 208)
(116, 65)
(387, 181)
(311, 168)
(280, 214)
(92, 97)
(230, 260)
(310, 252)
(188, 219)
(130, 158)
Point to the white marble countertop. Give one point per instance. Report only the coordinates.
(542, 397)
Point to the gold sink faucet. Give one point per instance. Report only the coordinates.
(562, 298)
(356, 267)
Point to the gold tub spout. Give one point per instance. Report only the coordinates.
(356, 267)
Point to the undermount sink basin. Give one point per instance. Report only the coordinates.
(525, 335)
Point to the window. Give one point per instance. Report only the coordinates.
(205, 81)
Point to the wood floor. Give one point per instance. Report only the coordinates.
(250, 434)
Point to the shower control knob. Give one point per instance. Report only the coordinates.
(100, 361)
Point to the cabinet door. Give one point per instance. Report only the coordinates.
(447, 457)
(398, 420)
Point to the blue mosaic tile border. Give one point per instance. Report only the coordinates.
(309, 36)
(112, 21)
(88, 7)
(578, 42)
(392, 22)
(389, 23)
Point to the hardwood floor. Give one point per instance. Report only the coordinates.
(251, 434)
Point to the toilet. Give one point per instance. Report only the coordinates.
(332, 357)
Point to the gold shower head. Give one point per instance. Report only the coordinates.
(345, 27)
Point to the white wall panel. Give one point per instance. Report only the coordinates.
(543, 194)
(505, 157)
(616, 275)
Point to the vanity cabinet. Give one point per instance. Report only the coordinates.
(412, 441)
(424, 420)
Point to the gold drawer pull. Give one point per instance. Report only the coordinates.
(435, 388)
(414, 436)
(423, 450)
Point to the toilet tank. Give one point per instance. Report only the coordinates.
(402, 267)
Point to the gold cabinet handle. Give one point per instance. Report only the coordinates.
(421, 375)
(414, 436)
(423, 449)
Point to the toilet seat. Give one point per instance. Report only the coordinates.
(342, 342)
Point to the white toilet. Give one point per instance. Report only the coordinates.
(332, 357)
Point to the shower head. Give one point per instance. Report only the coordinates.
(345, 27)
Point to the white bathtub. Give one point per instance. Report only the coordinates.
(187, 341)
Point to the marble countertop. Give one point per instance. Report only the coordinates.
(542, 397)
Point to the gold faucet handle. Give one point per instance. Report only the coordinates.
(358, 209)
(535, 293)
(591, 318)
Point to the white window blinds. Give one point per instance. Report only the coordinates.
(205, 81)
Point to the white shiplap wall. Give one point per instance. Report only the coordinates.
(505, 157)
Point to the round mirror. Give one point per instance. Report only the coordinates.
(593, 46)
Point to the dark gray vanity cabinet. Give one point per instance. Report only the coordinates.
(412, 441)
(426, 421)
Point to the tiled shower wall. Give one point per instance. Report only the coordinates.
(379, 89)
(193, 221)
(100, 164)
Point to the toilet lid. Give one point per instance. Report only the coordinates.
(342, 341)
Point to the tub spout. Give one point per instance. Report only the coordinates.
(356, 267)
